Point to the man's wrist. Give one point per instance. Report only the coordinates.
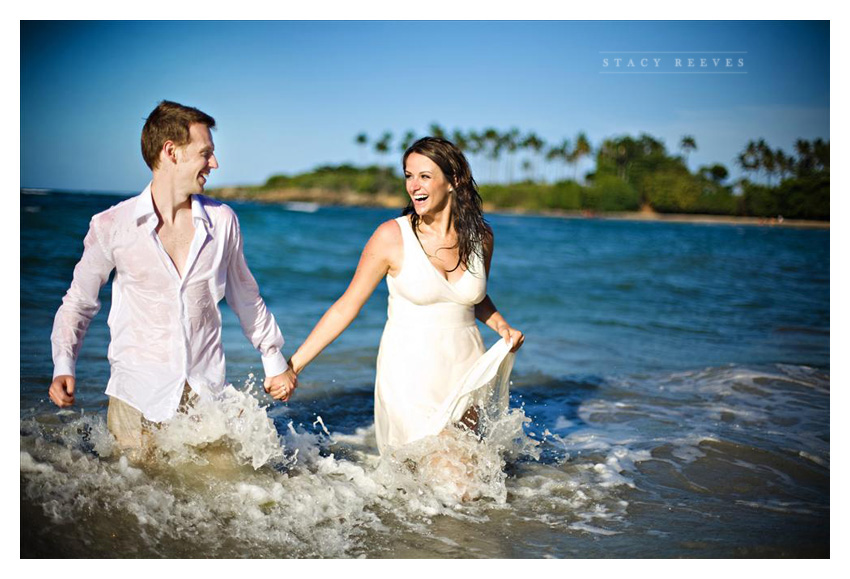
(274, 364)
(64, 367)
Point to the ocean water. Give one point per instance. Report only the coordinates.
(671, 400)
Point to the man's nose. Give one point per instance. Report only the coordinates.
(213, 162)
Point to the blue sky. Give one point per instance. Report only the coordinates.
(288, 96)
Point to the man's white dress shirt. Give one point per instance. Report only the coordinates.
(165, 330)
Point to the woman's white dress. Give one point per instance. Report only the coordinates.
(431, 363)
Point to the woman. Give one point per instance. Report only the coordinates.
(436, 257)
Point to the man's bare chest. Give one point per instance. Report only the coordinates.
(177, 242)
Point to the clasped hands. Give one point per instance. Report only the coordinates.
(282, 386)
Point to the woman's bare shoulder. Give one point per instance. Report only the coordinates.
(388, 233)
(386, 241)
(387, 244)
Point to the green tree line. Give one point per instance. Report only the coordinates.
(522, 170)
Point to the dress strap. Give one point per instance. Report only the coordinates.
(409, 241)
(406, 229)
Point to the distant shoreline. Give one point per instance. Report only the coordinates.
(349, 198)
(387, 201)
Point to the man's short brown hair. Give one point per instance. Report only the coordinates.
(169, 121)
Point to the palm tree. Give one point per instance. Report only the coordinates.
(648, 144)
(362, 140)
(782, 164)
(762, 152)
(437, 131)
(687, 145)
(622, 151)
(768, 162)
(582, 149)
(533, 143)
(510, 141)
(460, 140)
(717, 173)
(821, 154)
(475, 143)
(528, 169)
(407, 140)
(805, 164)
(382, 146)
(749, 159)
(559, 154)
(491, 148)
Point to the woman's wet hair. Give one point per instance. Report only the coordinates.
(467, 216)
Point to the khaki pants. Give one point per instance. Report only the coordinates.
(131, 429)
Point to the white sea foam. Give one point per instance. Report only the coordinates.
(591, 529)
(778, 506)
(815, 459)
(562, 423)
(225, 482)
(687, 453)
(222, 478)
(233, 418)
(29, 465)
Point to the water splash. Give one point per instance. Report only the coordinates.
(222, 481)
(233, 421)
(646, 462)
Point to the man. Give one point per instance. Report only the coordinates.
(175, 254)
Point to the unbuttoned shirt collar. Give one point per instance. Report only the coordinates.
(145, 211)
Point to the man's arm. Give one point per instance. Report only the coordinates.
(72, 320)
(258, 324)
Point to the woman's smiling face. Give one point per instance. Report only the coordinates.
(426, 184)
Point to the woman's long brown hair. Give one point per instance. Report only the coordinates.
(467, 215)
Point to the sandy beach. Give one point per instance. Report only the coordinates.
(350, 198)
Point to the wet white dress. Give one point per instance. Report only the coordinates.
(431, 363)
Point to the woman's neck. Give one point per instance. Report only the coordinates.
(440, 223)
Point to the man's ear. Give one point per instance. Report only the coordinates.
(169, 152)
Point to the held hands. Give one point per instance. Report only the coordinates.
(62, 390)
(282, 386)
(512, 336)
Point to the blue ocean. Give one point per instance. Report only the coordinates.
(671, 400)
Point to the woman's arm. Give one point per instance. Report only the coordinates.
(379, 257)
(486, 310)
